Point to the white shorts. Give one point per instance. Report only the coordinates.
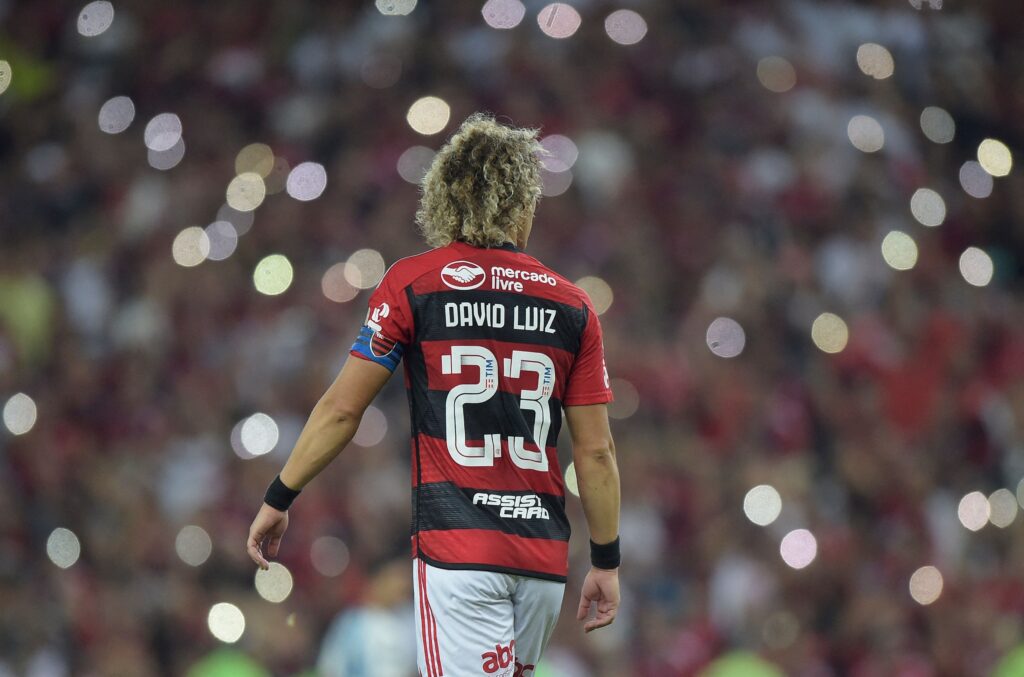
(481, 623)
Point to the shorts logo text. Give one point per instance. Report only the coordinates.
(502, 658)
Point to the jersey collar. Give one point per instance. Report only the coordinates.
(507, 246)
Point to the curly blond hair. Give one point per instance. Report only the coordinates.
(482, 186)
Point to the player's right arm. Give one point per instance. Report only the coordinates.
(597, 473)
(335, 419)
(329, 429)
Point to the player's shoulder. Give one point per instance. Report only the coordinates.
(569, 292)
(408, 269)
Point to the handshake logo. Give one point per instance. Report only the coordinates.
(463, 275)
(501, 659)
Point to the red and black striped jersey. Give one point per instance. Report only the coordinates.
(494, 345)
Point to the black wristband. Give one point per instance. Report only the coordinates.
(605, 556)
(279, 495)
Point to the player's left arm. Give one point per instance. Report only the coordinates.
(330, 427)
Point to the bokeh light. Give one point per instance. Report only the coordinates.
(275, 583)
(246, 192)
(223, 240)
(20, 414)
(429, 115)
(95, 18)
(899, 250)
(372, 428)
(926, 585)
(257, 158)
(559, 20)
(365, 268)
(63, 547)
(191, 246)
(273, 275)
(994, 157)
(976, 266)
(627, 399)
(875, 60)
(561, 153)
(395, 7)
(725, 337)
(865, 133)
(599, 291)
(307, 181)
(762, 505)
(116, 114)
(1002, 508)
(166, 159)
(928, 207)
(798, 548)
(571, 481)
(776, 74)
(503, 14)
(554, 184)
(162, 132)
(974, 511)
(975, 181)
(414, 162)
(830, 333)
(242, 221)
(259, 434)
(277, 179)
(937, 124)
(329, 555)
(335, 284)
(625, 27)
(193, 545)
(226, 622)
(6, 75)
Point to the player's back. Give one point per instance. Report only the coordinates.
(494, 345)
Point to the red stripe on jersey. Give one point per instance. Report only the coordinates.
(495, 549)
(434, 351)
(491, 259)
(437, 465)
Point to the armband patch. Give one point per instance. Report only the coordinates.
(378, 347)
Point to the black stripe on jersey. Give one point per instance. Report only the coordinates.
(500, 414)
(416, 370)
(429, 315)
(444, 506)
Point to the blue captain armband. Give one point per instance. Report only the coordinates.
(377, 347)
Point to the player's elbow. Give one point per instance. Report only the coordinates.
(598, 452)
(338, 410)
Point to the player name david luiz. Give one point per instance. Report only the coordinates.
(495, 315)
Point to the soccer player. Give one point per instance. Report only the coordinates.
(495, 345)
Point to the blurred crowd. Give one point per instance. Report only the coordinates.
(700, 191)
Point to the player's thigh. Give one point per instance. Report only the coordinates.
(536, 604)
(464, 622)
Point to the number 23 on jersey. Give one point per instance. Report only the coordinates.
(535, 400)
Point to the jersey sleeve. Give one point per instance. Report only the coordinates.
(388, 326)
(588, 378)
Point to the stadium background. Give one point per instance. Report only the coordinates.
(826, 477)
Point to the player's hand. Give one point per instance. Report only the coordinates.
(269, 525)
(601, 591)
